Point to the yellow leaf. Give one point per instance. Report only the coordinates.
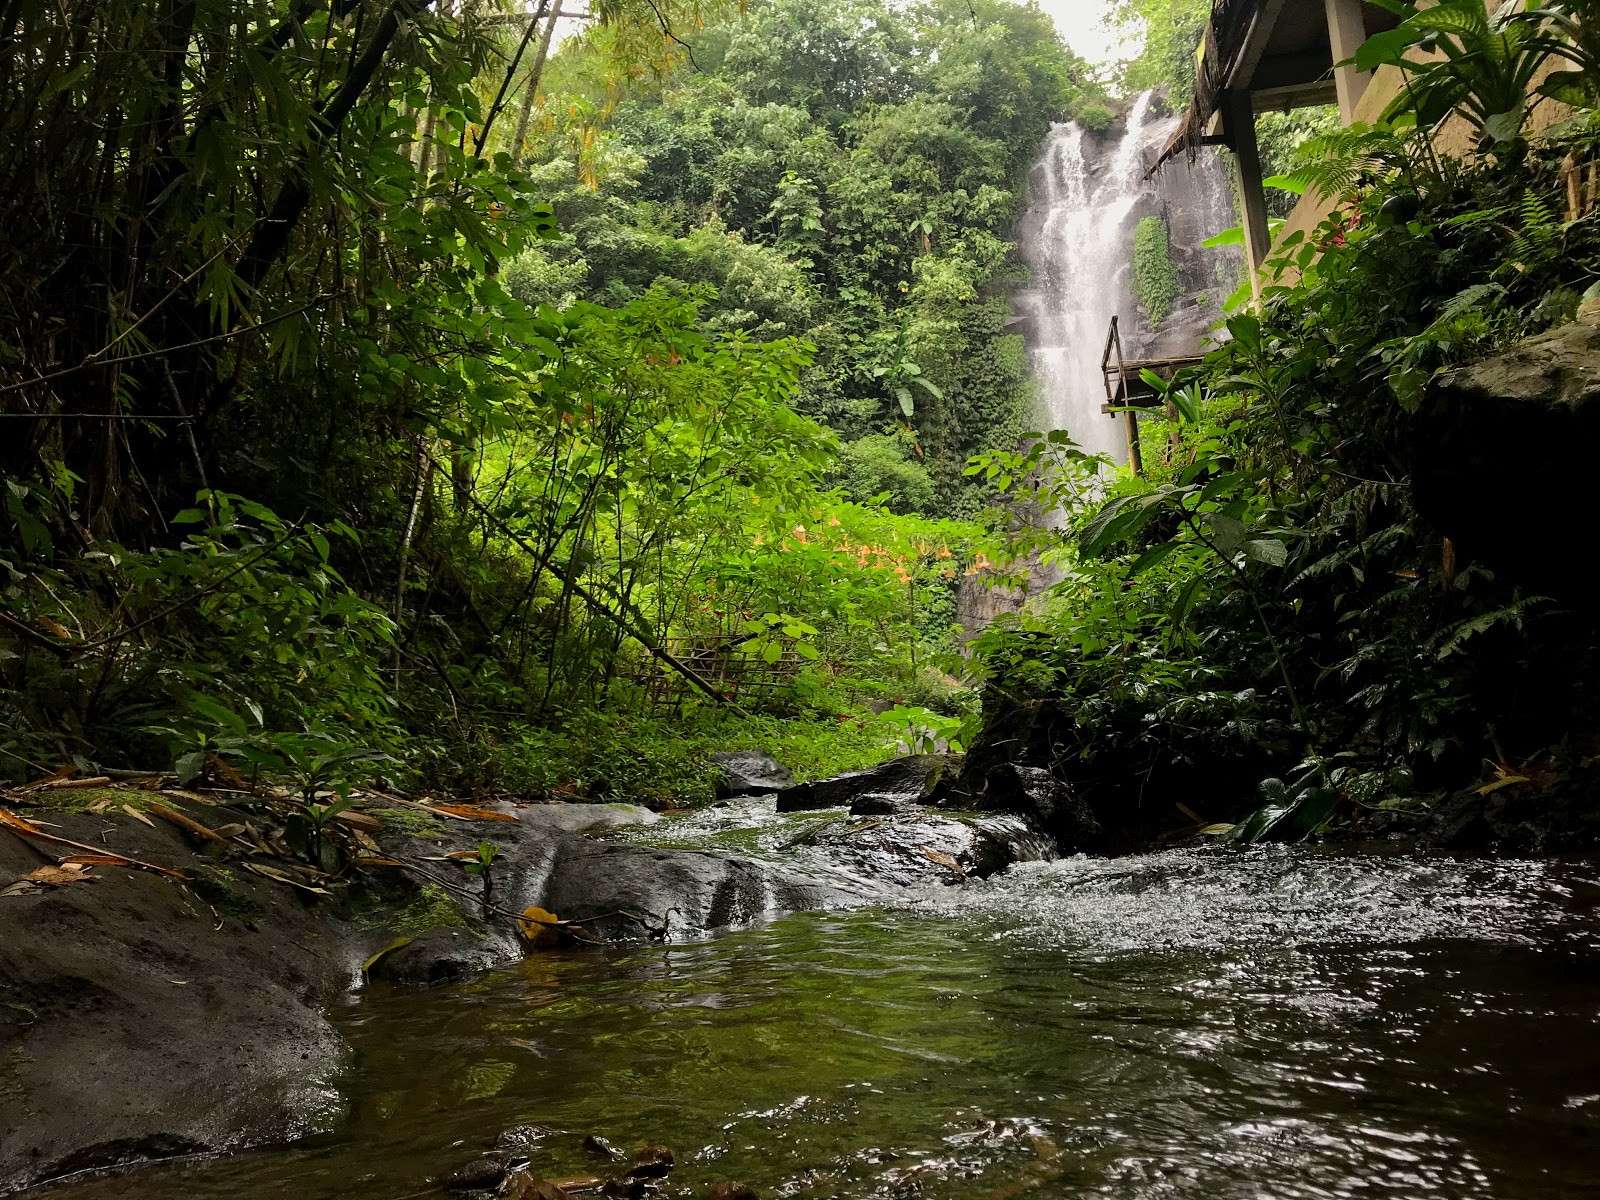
(541, 928)
(1217, 830)
(137, 815)
(384, 953)
(1500, 783)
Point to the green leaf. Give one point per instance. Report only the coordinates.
(1226, 532)
(1295, 183)
(397, 944)
(1504, 127)
(1266, 550)
(1151, 558)
(1387, 48)
(542, 220)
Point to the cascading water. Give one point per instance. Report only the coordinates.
(1085, 196)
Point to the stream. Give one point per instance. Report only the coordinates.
(1265, 1023)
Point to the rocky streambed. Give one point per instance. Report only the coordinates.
(144, 1016)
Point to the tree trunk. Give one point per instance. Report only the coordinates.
(531, 92)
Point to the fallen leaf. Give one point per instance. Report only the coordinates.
(45, 878)
(100, 806)
(1217, 830)
(228, 831)
(137, 815)
(359, 820)
(25, 828)
(1497, 784)
(188, 824)
(943, 859)
(1191, 814)
(581, 1183)
(48, 877)
(468, 812)
(59, 773)
(397, 944)
(182, 794)
(541, 928)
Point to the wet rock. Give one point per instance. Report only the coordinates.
(1559, 814)
(749, 773)
(622, 891)
(653, 1162)
(910, 849)
(1126, 789)
(137, 1023)
(912, 779)
(1537, 403)
(480, 1175)
(1050, 803)
(598, 1146)
(436, 957)
(876, 804)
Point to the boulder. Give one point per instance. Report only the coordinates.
(924, 845)
(1050, 803)
(910, 780)
(749, 773)
(1501, 455)
(438, 956)
(619, 890)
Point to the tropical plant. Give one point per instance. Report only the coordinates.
(1482, 65)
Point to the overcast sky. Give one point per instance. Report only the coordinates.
(1079, 23)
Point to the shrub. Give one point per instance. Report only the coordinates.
(1155, 275)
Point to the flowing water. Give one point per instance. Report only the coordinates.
(1272, 1023)
(1085, 196)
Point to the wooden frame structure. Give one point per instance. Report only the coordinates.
(1260, 55)
(1126, 387)
(720, 660)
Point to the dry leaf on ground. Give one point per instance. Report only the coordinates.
(46, 878)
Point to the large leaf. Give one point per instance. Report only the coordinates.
(1387, 48)
(1117, 522)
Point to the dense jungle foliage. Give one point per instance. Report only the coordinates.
(381, 381)
(393, 395)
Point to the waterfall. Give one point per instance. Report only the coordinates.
(1084, 197)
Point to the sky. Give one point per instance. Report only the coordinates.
(1079, 23)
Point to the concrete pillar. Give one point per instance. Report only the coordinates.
(1347, 29)
(1239, 127)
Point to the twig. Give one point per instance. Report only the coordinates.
(167, 350)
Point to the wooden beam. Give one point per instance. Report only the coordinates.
(1347, 29)
(1305, 95)
(1256, 38)
(1239, 119)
